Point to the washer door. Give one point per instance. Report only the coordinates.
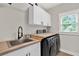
(52, 50)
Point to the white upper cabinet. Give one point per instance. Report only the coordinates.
(38, 16)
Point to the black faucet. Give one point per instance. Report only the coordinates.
(20, 32)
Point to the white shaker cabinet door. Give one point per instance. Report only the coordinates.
(34, 15)
(18, 52)
(48, 20)
(35, 50)
(38, 16)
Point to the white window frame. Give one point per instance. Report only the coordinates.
(64, 14)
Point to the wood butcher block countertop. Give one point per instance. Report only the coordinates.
(4, 47)
(41, 36)
(13, 48)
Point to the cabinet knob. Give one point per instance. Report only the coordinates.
(42, 22)
(28, 54)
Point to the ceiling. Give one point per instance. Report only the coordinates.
(24, 6)
(48, 5)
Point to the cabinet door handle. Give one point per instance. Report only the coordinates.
(28, 54)
(42, 22)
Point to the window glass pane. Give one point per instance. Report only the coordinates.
(69, 23)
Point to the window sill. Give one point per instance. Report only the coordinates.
(68, 33)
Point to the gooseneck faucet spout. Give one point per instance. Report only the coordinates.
(20, 32)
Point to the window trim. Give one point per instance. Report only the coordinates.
(60, 24)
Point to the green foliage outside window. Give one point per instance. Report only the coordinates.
(69, 23)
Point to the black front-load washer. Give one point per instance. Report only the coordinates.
(48, 46)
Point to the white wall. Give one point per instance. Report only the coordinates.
(10, 19)
(69, 42)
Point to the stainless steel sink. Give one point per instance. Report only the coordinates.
(17, 42)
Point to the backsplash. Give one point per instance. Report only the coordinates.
(11, 19)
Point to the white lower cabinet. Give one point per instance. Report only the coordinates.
(32, 50)
(35, 50)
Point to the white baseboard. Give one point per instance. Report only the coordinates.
(69, 52)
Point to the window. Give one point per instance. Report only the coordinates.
(69, 23)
